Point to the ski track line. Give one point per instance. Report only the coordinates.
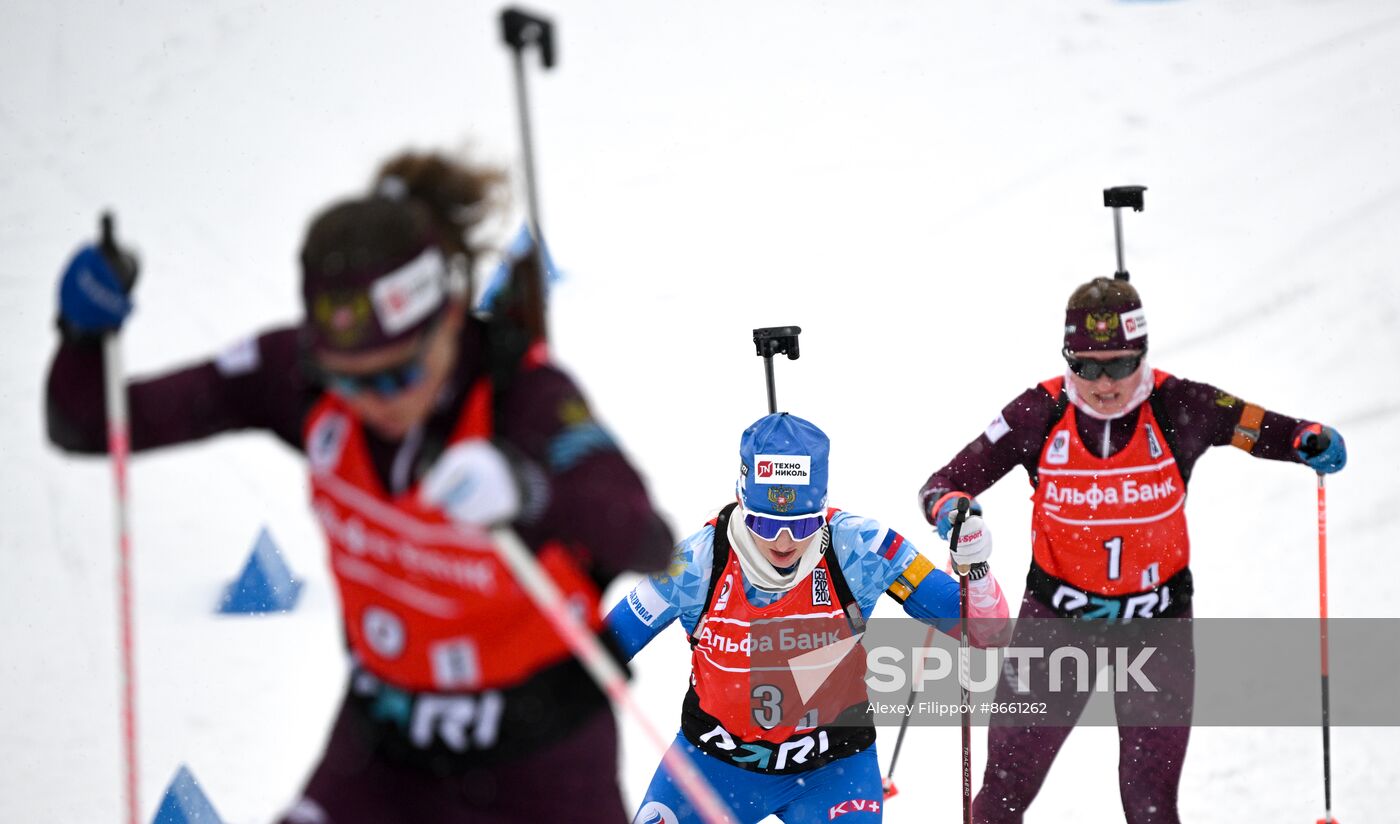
(1374, 414)
(1293, 59)
(1326, 232)
(1231, 325)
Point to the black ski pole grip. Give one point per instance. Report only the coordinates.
(957, 519)
(520, 28)
(124, 264)
(1314, 443)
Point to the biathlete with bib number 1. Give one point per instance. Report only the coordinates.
(422, 427)
(1109, 447)
(772, 593)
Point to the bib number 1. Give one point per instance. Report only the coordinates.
(1115, 558)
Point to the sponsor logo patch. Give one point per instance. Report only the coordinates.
(1154, 447)
(408, 295)
(384, 632)
(239, 359)
(1151, 576)
(646, 603)
(723, 600)
(1134, 324)
(1059, 448)
(783, 469)
(456, 664)
(325, 442)
(997, 429)
(855, 805)
(821, 588)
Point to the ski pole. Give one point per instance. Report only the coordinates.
(519, 30)
(1118, 198)
(119, 447)
(775, 340)
(887, 785)
(1322, 631)
(605, 671)
(964, 664)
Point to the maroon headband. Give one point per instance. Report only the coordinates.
(364, 310)
(1102, 330)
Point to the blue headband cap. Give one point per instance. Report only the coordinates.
(783, 468)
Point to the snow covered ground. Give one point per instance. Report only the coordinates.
(917, 184)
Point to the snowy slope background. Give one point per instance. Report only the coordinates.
(917, 184)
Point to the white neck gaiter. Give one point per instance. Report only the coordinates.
(1140, 394)
(758, 570)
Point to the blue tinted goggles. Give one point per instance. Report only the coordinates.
(768, 527)
(385, 383)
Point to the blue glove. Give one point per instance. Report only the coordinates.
(943, 519)
(91, 295)
(1321, 447)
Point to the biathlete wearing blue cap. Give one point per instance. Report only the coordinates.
(779, 584)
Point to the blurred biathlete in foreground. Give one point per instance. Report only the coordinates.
(772, 594)
(463, 703)
(1109, 447)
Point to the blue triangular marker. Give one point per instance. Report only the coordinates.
(185, 802)
(265, 585)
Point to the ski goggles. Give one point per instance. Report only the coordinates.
(1115, 368)
(768, 527)
(385, 382)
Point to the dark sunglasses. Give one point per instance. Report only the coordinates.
(769, 528)
(1117, 368)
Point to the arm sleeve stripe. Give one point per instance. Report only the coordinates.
(893, 541)
(909, 580)
(1247, 430)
